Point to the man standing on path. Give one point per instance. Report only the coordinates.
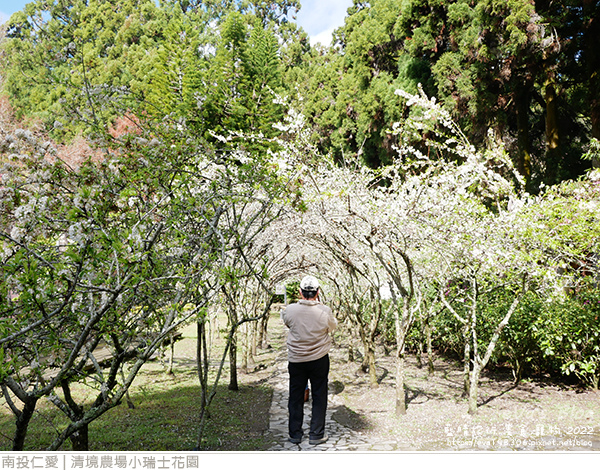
(308, 343)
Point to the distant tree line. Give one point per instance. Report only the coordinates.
(526, 69)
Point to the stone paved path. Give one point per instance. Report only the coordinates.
(341, 438)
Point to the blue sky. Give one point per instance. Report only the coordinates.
(318, 17)
(8, 7)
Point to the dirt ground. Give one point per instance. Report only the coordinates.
(531, 415)
(527, 416)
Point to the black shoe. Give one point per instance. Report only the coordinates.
(295, 440)
(317, 441)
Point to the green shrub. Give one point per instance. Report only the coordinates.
(568, 334)
(557, 337)
(518, 346)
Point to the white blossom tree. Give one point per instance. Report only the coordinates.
(407, 225)
(111, 256)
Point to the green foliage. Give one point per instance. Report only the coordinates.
(292, 291)
(564, 225)
(217, 65)
(243, 78)
(174, 86)
(447, 335)
(61, 56)
(119, 247)
(568, 336)
(78, 68)
(544, 336)
(488, 62)
(351, 100)
(519, 345)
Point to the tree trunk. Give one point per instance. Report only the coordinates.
(202, 367)
(425, 343)
(370, 359)
(233, 379)
(400, 379)
(171, 354)
(552, 130)
(209, 397)
(130, 403)
(402, 326)
(403, 318)
(474, 387)
(254, 340)
(430, 366)
(466, 362)
(480, 363)
(466, 344)
(249, 350)
(420, 350)
(22, 424)
(592, 59)
(368, 364)
(80, 439)
(263, 341)
(202, 362)
(245, 348)
(523, 99)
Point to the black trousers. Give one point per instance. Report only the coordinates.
(300, 374)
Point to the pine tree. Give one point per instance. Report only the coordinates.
(243, 75)
(175, 85)
(68, 62)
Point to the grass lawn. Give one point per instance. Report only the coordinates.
(166, 413)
